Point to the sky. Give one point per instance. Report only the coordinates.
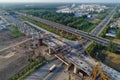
(108, 1)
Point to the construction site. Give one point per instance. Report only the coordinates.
(14, 52)
(79, 64)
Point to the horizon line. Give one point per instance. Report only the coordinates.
(58, 2)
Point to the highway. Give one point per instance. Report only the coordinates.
(100, 40)
(37, 75)
(43, 74)
(99, 28)
(73, 55)
(53, 75)
(73, 59)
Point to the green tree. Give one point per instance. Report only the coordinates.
(112, 47)
(118, 33)
(63, 18)
(101, 56)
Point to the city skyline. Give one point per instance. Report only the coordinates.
(84, 1)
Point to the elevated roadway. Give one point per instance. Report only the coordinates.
(99, 40)
(71, 55)
(74, 59)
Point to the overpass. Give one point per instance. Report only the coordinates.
(66, 56)
(99, 40)
(73, 55)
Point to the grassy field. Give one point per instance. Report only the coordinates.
(15, 32)
(114, 57)
(116, 41)
(113, 60)
(95, 21)
(34, 64)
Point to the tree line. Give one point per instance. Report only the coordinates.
(64, 18)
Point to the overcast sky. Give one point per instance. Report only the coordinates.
(109, 1)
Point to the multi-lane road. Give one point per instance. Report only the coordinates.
(97, 30)
(43, 74)
(74, 31)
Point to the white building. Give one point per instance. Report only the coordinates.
(80, 14)
(111, 34)
(83, 8)
(114, 25)
(66, 10)
(73, 5)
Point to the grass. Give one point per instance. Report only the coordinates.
(15, 32)
(116, 41)
(103, 33)
(115, 58)
(49, 28)
(28, 24)
(101, 16)
(34, 64)
(66, 19)
(95, 21)
(90, 28)
(111, 59)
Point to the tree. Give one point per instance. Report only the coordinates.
(101, 56)
(112, 46)
(118, 33)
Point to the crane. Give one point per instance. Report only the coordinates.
(96, 69)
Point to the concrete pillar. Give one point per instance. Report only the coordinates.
(33, 36)
(34, 44)
(25, 29)
(39, 35)
(49, 50)
(75, 70)
(67, 68)
(28, 33)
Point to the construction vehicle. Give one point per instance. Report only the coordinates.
(52, 68)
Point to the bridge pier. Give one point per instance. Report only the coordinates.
(75, 69)
(68, 66)
(28, 33)
(49, 51)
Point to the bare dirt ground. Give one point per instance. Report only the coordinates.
(6, 39)
(13, 60)
(113, 60)
(117, 41)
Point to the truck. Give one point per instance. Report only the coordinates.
(52, 68)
